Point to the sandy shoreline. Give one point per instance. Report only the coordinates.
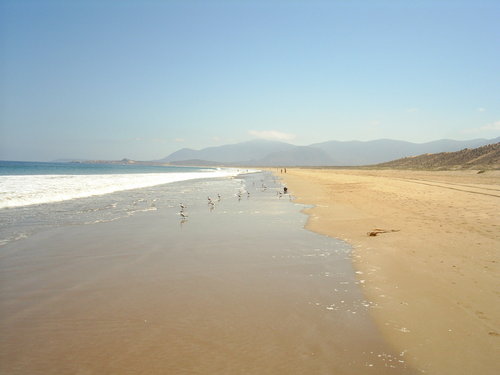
(239, 287)
(436, 277)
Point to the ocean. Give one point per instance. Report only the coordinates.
(36, 195)
(28, 183)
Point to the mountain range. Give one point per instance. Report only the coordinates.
(331, 153)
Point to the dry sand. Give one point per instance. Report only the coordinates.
(436, 277)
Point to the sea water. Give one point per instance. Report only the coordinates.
(24, 184)
(36, 195)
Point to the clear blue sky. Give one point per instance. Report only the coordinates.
(141, 79)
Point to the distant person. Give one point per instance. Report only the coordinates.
(285, 190)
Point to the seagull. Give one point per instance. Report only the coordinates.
(183, 215)
(182, 207)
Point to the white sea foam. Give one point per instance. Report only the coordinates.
(25, 190)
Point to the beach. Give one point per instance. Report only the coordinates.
(124, 284)
(426, 248)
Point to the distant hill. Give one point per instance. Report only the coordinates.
(299, 155)
(383, 150)
(355, 153)
(485, 157)
(198, 163)
(331, 153)
(244, 152)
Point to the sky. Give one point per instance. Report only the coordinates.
(141, 79)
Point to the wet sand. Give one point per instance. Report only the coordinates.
(238, 288)
(435, 273)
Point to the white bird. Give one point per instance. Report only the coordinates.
(182, 206)
(183, 215)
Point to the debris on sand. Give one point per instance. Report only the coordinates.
(377, 231)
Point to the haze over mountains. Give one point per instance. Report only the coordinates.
(331, 153)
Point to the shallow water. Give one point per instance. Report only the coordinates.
(23, 221)
(26, 184)
(238, 286)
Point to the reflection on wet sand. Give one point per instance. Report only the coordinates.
(241, 288)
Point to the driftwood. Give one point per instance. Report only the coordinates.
(377, 231)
